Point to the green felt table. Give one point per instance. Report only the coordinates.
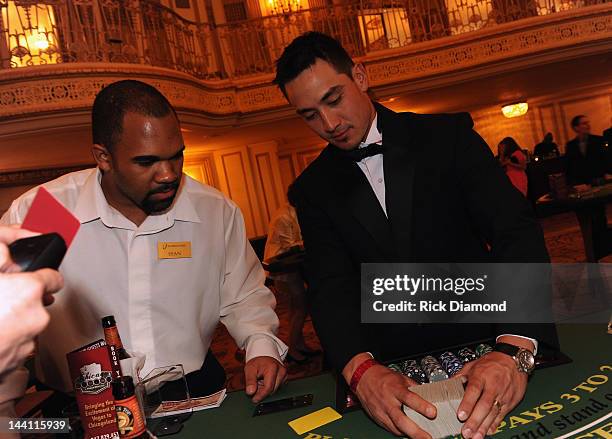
(571, 400)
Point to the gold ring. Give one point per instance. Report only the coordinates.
(497, 405)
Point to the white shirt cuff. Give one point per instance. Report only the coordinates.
(533, 340)
(260, 345)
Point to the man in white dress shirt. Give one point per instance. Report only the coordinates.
(166, 255)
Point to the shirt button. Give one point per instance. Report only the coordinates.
(380, 180)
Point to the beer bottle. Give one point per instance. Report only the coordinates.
(130, 420)
(112, 337)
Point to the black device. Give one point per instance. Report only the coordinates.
(36, 252)
(264, 408)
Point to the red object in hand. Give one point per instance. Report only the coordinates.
(48, 215)
(361, 369)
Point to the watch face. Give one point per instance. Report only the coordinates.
(526, 360)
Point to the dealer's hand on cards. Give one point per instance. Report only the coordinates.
(491, 378)
(22, 315)
(382, 393)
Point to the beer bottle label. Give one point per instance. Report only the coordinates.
(129, 418)
(111, 335)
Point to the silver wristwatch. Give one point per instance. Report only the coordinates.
(524, 359)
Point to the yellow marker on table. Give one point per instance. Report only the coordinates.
(314, 420)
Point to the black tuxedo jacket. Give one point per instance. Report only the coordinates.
(446, 199)
(583, 169)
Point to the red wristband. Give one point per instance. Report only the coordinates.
(361, 369)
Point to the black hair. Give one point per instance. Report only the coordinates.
(510, 146)
(304, 51)
(576, 120)
(119, 98)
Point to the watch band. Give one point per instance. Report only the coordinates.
(506, 348)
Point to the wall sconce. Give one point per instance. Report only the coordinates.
(515, 110)
(283, 7)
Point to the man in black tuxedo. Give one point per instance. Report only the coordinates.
(586, 156)
(427, 189)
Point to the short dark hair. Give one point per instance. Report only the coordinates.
(304, 51)
(119, 98)
(510, 146)
(576, 120)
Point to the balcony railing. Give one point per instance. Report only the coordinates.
(145, 32)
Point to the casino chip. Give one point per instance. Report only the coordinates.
(483, 349)
(433, 369)
(467, 355)
(411, 369)
(395, 367)
(451, 363)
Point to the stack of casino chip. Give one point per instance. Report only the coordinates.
(411, 369)
(433, 369)
(467, 355)
(451, 363)
(395, 367)
(483, 349)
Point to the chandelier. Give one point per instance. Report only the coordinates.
(282, 7)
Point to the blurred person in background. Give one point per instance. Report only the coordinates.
(514, 162)
(586, 156)
(546, 148)
(284, 236)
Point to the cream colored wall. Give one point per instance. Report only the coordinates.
(254, 165)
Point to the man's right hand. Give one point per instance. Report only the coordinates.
(382, 393)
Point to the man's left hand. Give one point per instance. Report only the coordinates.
(263, 375)
(491, 378)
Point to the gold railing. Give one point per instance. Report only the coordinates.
(145, 32)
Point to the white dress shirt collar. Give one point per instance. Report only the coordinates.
(374, 136)
(92, 205)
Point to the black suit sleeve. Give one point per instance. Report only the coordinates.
(332, 283)
(504, 217)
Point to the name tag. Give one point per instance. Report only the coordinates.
(173, 250)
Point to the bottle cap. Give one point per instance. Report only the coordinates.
(108, 321)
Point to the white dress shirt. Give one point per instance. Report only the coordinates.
(165, 308)
(372, 167)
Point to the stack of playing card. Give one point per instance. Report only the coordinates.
(446, 396)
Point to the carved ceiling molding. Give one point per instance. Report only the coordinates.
(73, 86)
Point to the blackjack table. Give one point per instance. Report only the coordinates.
(572, 400)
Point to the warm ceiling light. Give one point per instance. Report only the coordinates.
(515, 110)
(41, 43)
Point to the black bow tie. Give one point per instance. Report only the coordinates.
(358, 154)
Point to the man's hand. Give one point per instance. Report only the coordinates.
(382, 393)
(22, 315)
(491, 378)
(7, 236)
(263, 375)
